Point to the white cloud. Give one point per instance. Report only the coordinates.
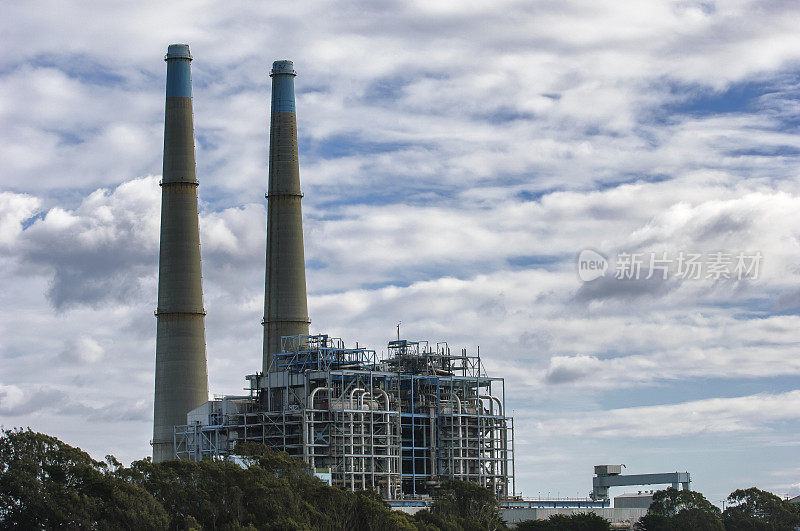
(11, 396)
(104, 251)
(455, 159)
(98, 251)
(83, 349)
(744, 414)
(14, 210)
(16, 401)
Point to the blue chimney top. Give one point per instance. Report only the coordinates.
(179, 75)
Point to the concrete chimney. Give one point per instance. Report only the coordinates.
(181, 372)
(285, 304)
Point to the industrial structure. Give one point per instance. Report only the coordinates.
(634, 500)
(607, 476)
(181, 382)
(285, 303)
(398, 425)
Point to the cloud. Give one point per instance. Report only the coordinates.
(15, 209)
(546, 101)
(83, 349)
(105, 250)
(99, 251)
(102, 249)
(744, 414)
(37, 400)
(455, 157)
(693, 347)
(570, 369)
(787, 301)
(16, 401)
(613, 288)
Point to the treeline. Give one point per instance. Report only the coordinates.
(48, 484)
(749, 509)
(685, 510)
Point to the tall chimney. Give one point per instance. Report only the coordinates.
(285, 304)
(181, 373)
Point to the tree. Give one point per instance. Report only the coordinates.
(467, 505)
(223, 495)
(342, 509)
(46, 483)
(584, 521)
(369, 512)
(755, 509)
(271, 491)
(425, 520)
(674, 509)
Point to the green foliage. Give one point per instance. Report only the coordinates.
(586, 521)
(223, 495)
(755, 509)
(427, 521)
(671, 502)
(45, 483)
(467, 505)
(677, 510)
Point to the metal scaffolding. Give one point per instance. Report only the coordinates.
(397, 425)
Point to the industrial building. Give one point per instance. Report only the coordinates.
(607, 476)
(398, 424)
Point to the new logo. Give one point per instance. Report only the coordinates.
(591, 265)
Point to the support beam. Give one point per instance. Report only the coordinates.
(601, 483)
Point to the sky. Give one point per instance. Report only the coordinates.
(456, 159)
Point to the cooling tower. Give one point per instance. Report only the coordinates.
(181, 373)
(285, 304)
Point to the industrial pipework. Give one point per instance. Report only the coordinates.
(181, 382)
(285, 304)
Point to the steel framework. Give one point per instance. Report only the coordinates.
(398, 425)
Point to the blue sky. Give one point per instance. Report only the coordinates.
(455, 159)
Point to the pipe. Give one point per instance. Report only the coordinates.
(314, 392)
(433, 447)
(372, 396)
(385, 396)
(491, 408)
(494, 437)
(352, 393)
(362, 400)
(460, 436)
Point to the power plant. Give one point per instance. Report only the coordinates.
(181, 373)
(398, 424)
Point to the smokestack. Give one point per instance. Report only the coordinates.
(181, 374)
(285, 304)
